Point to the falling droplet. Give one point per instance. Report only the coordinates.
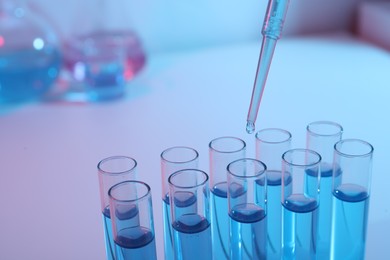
(250, 127)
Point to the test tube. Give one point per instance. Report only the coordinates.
(247, 196)
(271, 143)
(222, 151)
(111, 171)
(189, 199)
(300, 199)
(351, 194)
(321, 137)
(132, 221)
(173, 159)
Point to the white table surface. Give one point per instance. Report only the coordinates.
(49, 151)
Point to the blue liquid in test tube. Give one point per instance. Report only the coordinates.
(350, 217)
(172, 160)
(271, 143)
(136, 242)
(248, 228)
(222, 151)
(321, 137)
(351, 199)
(189, 199)
(300, 216)
(193, 234)
(247, 209)
(220, 217)
(300, 199)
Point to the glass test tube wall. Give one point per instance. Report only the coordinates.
(173, 159)
(321, 137)
(247, 209)
(131, 213)
(111, 171)
(300, 199)
(351, 194)
(271, 143)
(189, 199)
(222, 151)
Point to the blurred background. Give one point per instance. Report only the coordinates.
(88, 51)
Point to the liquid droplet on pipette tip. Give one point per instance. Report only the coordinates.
(250, 127)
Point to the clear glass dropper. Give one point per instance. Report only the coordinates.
(272, 30)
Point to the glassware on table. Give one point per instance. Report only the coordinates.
(131, 212)
(321, 137)
(300, 200)
(111, 171)
(247, 195)
(102, 56)
(222, 151)
(271, 143)
(173, 159)
(189, 200)
(351, 194)
(30, 55)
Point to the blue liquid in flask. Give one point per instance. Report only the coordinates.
(192, 236)
(135, 243)
(300, 224)
(248, 232)
(350, 213)
(220, 221)
(27, 73)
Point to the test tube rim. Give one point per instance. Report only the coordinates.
(99, 166)
(187, 170)
(148, 191)
(301, 165)
(179, 162)
(247, 177)
(369, 153)
(226, 137)
(310, 131)
(273, 142)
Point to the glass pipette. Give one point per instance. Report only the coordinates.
(272, 30)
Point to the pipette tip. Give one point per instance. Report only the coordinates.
(250, 127)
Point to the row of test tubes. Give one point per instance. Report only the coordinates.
(309, 203)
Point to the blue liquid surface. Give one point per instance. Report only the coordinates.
(192, 238)
(247, 232)
(220, 221)
(108, 236)
(300, 223)
(325, 206)
(350, 214)
(27, 73)
(135, 243)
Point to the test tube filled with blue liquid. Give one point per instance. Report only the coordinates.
(222, 151)
(300, 204)
(351, 194)
(271, 143)
(173, 159)
(111, 171)
(247, 195)
(189, 199)
(131, 213)
(321, 137)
